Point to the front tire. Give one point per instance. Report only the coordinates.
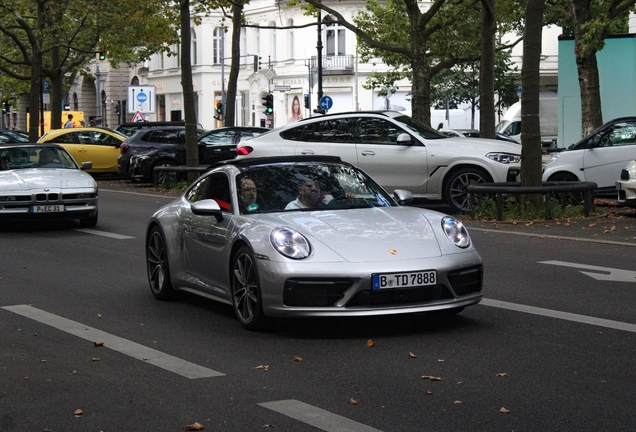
(158, 267)
(246, 291)
(456, 190)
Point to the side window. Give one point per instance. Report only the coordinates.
(377, 131)
(219, 190)
(514, 128)
(198, 190)
(104, 138)
(623, 134)
(69, 138)
(334, 130)
(300, 133)
(223, 137)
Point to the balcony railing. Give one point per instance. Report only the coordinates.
(334, 64)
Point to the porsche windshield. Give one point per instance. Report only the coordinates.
(307, 186)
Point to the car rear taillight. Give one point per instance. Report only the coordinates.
(242, 151)
(123, 148)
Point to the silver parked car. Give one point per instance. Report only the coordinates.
(308, 236)
(397, 151)
(43, 182)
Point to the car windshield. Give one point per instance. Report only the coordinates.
(17, 158)
(419, 128)
(308, 186)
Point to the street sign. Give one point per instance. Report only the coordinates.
(46, 86)
(326, 103)
(282, 88)
(142, 99)
(138, 117)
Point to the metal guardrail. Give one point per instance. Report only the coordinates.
(548, 189)
(177, 169)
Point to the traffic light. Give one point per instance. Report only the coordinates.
(307, 102)
(268, 103)
(101, 56)
(219, 110)
(5, 107)
(116, 108)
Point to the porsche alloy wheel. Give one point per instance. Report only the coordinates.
(457, 193)
(246, 292)
(157, 265)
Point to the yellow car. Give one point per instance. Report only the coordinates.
(89, 144)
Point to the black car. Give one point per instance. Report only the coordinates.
(145, 150)
(11, 136)
(130, 128)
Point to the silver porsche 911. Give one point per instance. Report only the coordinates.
(43, 182)
(305, 236)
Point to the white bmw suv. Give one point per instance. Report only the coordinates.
(396, 151)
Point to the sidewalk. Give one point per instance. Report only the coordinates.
(616, 224)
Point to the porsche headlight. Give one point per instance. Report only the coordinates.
(456, 232)
(290, 243)
(504, 158)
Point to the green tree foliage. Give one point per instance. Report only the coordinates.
(418, 44)
(460, 84)
(589, 22)
(56, 38)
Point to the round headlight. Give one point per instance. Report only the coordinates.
(456, 232)
(290, 243)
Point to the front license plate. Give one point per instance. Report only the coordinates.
(47, 208)
(404, 280)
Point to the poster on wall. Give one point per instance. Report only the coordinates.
(295, 108)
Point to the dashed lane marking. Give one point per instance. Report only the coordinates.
(104, 234)
(121, 345)
(317, 417)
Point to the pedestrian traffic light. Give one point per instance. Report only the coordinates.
(268, 103)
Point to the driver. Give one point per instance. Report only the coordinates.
(47, 157)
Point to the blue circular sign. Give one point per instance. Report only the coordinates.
(142, 97)
(326, 103)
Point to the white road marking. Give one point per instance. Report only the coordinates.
(140, 193)
(124, 346)
(614, 275)
(578, 239)
(104, 234)
(617, 325)
(316, 417)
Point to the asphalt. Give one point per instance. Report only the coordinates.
(615, 223)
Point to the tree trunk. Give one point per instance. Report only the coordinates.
(57, 89)
(487, 71)
(421, 85)
(192, 149)
(230, 96)
(530, 79)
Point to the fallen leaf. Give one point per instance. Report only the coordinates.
(95, 358)
(431, 378)
(592, 225)
(440, 360)
(25, 378)
(370, 343)
(457, 402)
(194, 426)
(43, 361)
(504, 410)
(98, 344)
(502, 374)
(264, 367)
(298, 359)
(353, 401)
(428, 392)
(268, 426)
(412, 355)
(78, 412)
(99, 315)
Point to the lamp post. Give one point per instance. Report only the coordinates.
(319, 110)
